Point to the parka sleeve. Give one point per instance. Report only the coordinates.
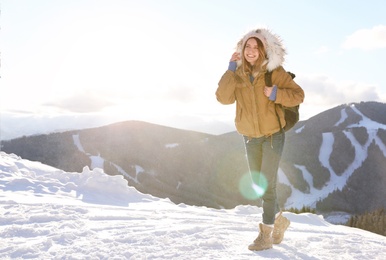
(289, 93)
(225, 93)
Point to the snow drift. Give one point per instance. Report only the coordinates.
(47, 213)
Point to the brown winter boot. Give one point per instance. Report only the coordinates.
(264, 240)
(281, 225)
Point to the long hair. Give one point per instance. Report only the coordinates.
(254, 70)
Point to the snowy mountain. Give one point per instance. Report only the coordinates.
(334, 161)
(341, 166)
(47, 213)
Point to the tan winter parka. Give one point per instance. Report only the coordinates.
(255, 113)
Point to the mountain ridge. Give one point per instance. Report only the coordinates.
(332, 156)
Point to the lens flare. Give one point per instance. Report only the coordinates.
(253, 186)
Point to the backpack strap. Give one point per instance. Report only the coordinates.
(268, 78)
(268, 83)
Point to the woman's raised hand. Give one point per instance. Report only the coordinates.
(235, 56)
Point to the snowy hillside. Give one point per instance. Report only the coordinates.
(325, 155)
(47, 213)
(333, 162)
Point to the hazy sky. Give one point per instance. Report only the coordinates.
(160, 61)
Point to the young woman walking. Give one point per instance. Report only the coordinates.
(260, 118)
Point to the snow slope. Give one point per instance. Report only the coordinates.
(298, 199)
(46, 213)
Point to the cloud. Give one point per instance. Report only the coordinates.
(324, 91)
(181, 94)
(367, 39)
(86, 101)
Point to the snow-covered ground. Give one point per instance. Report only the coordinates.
(46, 213)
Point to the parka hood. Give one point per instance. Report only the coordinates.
(273, 46)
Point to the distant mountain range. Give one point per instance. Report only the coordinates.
(335, 161)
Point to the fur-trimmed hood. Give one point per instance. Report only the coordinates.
(273, 45)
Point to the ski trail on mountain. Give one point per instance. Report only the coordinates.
(336, 182)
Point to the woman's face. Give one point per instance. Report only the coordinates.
(251, 51)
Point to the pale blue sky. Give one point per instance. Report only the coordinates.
(160, 61)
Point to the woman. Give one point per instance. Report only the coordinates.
(258, 112)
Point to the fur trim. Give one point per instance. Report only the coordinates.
(273, 46)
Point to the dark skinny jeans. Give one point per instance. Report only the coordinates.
(264, 154)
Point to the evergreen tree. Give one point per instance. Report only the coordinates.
(372, 221)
